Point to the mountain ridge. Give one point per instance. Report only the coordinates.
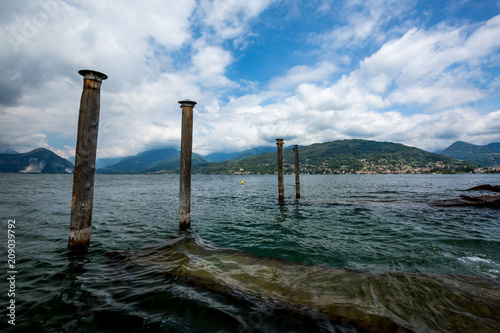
(235, 156)
(39, 160)
(141, 162)
(341, 156)
(484, 156)
(168, 160)
(345, 156)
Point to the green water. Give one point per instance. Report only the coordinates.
(375, 234)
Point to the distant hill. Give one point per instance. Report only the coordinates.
(8, 151)
(140, 162)
(253, 152)
(495, 147)
(166, 159)
(173, 163)
(40, 160)
(485, 156)
(221, 157)
(104, 162)
(344, 156)
(101, 162)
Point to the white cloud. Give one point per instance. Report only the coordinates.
(229, 19)
(210, 62)
(359, 23)
(300, 122)
(423, 68)
(303, 74)
(483, 41)
(346, 94)
(430, 67)
(420, 86)
(45, 55)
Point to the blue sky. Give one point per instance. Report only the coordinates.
(422, 73)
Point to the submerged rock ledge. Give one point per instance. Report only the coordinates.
(486, 201)
(342, 299)
(486, 187)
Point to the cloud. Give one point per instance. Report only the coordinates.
(210, 63)
(441, 68)
(429, 72)
(303, 74)
(369, 71)
(9, 93)
(359, 23)
(49, 42)
(301, 122)
(229, 19)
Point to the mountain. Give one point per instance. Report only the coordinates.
(101, 162)
(221, 157)
(166, 159)
(252, 152)
(140, 162)
(8, 151)
(173, 163)
(495, 147)
(40, 160)
(344, 156)
(104, 162)
(485, 156)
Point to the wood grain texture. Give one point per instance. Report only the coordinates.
(83, 179)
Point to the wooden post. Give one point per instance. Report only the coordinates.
(281, 186)
(297, 172)
(86, 148)
(185, 173)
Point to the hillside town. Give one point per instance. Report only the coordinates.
(379, 167)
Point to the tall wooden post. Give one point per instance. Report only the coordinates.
(281, 186)
(86, 148)
(185, 173)
(297, 172)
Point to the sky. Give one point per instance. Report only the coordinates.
(421, 73)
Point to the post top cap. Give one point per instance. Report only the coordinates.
(279, 139)
(187, 102)
(92, 75)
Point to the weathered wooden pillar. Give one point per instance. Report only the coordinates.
(281, 186)
(86, 148)
(297, 172)
(185, 173)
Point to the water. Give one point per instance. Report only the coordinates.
(355, 253)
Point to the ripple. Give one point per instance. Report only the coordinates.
(379, 230)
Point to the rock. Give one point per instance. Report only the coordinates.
(486, 201)
(486, 187)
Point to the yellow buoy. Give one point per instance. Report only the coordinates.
(242, 183)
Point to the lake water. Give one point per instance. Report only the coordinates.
(355, 253)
